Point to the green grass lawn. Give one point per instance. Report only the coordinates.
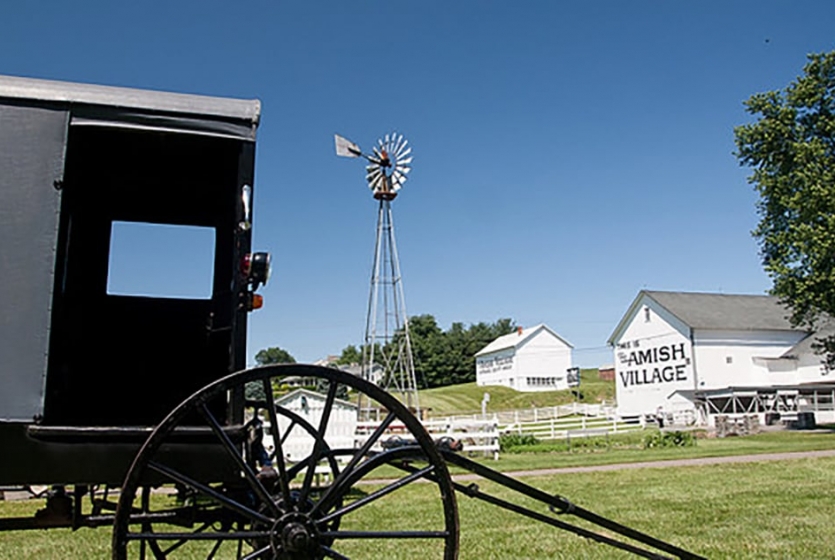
(466, 397)
(776, 509)
(758, 511)
(627, 448)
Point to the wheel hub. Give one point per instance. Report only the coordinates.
(295, 535)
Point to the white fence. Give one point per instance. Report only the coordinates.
(571, 426)
(508, 417)
(477, 435)
(553, 422)
(480, 433)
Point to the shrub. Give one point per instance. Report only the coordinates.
(669, 439)
(512, 442)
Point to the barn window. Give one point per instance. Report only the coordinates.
(729, 359)
(647, 315)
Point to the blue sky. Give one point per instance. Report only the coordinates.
(567, 154)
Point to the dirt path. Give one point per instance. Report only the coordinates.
(665, 464)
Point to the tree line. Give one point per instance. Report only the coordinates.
(441, 357)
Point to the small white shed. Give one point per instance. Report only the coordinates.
(529, 359)
(309, 406)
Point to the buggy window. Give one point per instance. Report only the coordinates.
(164, 261)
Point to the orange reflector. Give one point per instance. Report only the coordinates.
(257, 301)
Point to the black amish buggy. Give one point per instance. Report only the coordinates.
(136, 409)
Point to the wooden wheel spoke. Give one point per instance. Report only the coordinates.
(385, 534)
(287, 433)
(331, 553)
(325, 502)
(283, 482)
(158, 553)
(378, 494)
(236, 456)
(177, 545)
(263, 552)
(214, 550)
(230, 536)
(210, 492)
(320, 441)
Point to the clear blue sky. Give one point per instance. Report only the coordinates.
(567, 154)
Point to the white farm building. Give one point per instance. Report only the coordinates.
(305, 414)
(531, 359)
(704, 355)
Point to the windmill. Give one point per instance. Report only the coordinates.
(387, 351)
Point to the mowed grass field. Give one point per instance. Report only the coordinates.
(775, 509)
(466, 397)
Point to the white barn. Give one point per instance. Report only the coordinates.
(703, 355)
(531, 359)
(309, 406)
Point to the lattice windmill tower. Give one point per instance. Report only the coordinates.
(387, 351)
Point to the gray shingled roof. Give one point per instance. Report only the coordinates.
(715, 311)
(725, 311)
(825, 329)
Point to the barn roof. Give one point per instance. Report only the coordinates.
(715, 311)
(517, 338)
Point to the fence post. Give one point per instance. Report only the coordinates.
(552, 429)
(583, 421)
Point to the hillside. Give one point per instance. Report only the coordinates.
(466, 397)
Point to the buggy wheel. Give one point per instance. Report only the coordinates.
(317, 500)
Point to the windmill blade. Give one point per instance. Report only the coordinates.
(395, 146)
(398, 179)
(406, 161)
(404, 154)
(373, 174)
(401, 175)
(376, 183)
(402, 149)
(346, 148)
(401, 143)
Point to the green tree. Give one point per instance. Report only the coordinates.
(274, 355)
(448, 357)
(350, 355)
(791, 148)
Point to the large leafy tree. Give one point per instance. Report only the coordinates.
(274, 355)
(350, 355)
(791, 148)
(448, 357)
